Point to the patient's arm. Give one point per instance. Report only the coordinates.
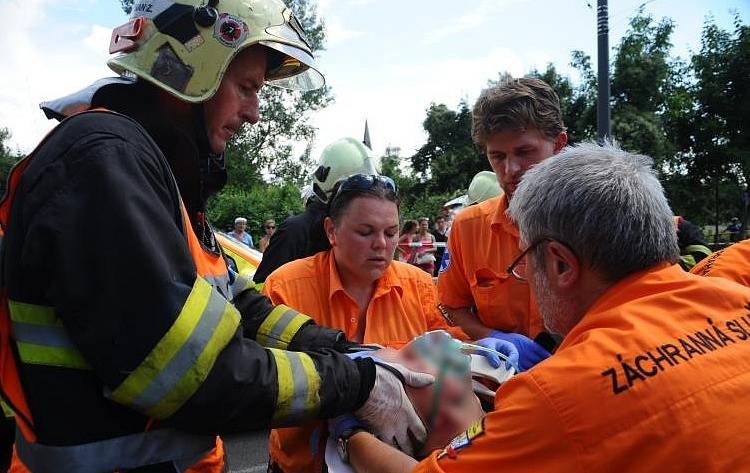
(367, 454)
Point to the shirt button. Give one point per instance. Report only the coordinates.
(354, 320)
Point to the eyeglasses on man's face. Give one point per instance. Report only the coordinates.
(270, 227)
(518, 267)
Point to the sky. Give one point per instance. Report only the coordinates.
(386, 60)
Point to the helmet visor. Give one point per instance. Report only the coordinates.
(296, 72)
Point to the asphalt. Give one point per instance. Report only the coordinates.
(247, 453)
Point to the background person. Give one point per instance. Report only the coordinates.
(691, 242)
(141, 345)
(302, 235)
(239, 233)
(269, 226)
(424, 257)
(517, 124)
(356, 287)
(405, 251)
(440, 233)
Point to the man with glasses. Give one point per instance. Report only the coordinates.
(517, 124)
(655, 365)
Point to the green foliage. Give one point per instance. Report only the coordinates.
(8, 159)
(449, 159)
(257, 203)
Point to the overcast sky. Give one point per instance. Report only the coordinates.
(386, 60)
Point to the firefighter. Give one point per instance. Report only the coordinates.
(131, 352)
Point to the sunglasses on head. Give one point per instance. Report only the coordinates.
(363, 182)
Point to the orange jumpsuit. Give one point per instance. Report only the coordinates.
(403, 306)
(482, 244)
(733, 263)
(655, 377)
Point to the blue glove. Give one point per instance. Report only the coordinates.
(338, 425)
(530, 353)
(502, 346)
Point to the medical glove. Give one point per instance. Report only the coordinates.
(389, 412)
(496, 345)
(529, 352)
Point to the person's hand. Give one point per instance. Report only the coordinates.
(529, 352)
(389, 411)
(496, 345)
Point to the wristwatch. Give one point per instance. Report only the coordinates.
(342, 443)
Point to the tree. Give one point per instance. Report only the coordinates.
(8, 159)
(577, 104)
(449, 159)
(721, 147)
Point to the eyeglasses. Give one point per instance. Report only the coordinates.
(270, 227)
(518, 267)
(363, 182)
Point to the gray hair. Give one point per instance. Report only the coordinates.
(606, 204)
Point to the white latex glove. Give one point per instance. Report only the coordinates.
(388, 410)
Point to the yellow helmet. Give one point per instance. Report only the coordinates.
(185, 46)
(339, 160)
(483, 186)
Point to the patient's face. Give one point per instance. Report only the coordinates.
(458, 407)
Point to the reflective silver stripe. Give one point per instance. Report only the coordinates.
(47, 335)
(106, 456)
(299, 401)
(185, 358)
(276, 332)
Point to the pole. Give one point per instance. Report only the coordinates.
(602, 106)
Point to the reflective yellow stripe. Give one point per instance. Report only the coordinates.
(7, 411)
(180, 362)
(279, 327)
(32, 313)
(41, 338)
(298, 387)
(34, 354)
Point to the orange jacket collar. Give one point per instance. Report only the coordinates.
(500, 220)
(386, 282)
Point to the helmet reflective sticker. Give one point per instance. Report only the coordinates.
(230, 30)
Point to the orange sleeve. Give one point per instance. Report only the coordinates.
(453, 288)
(435, 320)
(523, 434)
(272, 289)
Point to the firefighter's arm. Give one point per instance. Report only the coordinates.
(279, 326)
(161, 339)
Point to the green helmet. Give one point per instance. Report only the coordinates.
(185, 46)
(339, 160)
(483, 186)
